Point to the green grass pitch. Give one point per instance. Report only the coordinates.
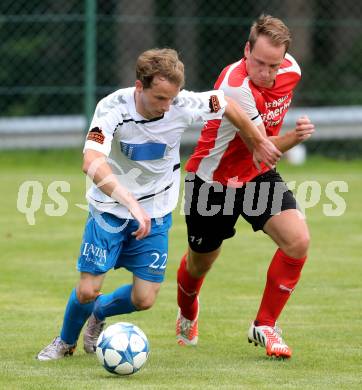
(322, 321)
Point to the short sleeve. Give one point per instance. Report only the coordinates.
(102, 128)
(248, 104)
(244, 96)
(202, 106)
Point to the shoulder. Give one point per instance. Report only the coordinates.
(288, 76)
(232, 76)
(184, 100)
(236, 82)
(117, 100)
(235, 79)
(195, 100)
(120, 96)
(290, 65)
(197, 106)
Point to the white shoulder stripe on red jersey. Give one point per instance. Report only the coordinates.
(294, 67)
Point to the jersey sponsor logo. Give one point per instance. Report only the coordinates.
(143, 152)
(214, 103)
(275, 111)
(96, 135)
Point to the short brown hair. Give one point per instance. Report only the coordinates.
(160, 62)
(273, 28)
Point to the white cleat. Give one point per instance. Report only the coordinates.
(270, 338)
(91, 333)
(57, 349)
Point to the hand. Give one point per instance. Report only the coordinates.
(304, 128)
(143, 219)
(267, 153)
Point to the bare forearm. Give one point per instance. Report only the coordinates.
(286, 141)
(99, 171)
(303, 130)
(250, 134)
(96, 167)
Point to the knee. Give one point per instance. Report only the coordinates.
(298, 247)
(86, 294)
(144, 299)
(144, 303)
(199, 268)
(200, 264)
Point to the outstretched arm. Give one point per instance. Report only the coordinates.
(262, 148)
(96, 167)
(303, 130)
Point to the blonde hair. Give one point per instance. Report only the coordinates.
(273, 28)
(160, 62)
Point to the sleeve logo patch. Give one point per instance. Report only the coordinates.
(96, 135)
(214, 103)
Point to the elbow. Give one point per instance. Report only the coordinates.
(85, 166)
(92, 160)
(229, 106)
(86, 163)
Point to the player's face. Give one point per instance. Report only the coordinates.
(153, 102)
(263, 62)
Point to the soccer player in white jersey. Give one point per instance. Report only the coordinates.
(262, 82)
(132, 156)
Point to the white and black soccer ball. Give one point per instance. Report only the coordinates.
(122, 348)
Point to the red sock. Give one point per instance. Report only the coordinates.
(188, 289)
(283, 275)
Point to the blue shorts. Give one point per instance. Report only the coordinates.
(108, 243)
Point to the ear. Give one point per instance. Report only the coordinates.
(139, 86)
(247, 49)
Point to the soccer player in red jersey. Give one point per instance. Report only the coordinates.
(223, 183)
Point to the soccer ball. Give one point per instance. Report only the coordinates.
(122, 348)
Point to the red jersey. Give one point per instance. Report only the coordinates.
(220, 154)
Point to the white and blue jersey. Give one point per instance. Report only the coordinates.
(144, 153)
